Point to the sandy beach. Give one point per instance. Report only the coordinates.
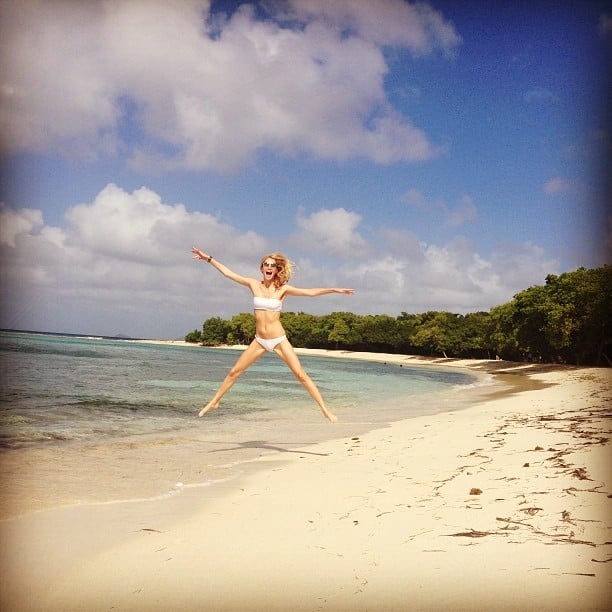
(503, 505)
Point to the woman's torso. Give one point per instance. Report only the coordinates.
(267, 311)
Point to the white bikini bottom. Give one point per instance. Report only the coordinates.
(270, 343)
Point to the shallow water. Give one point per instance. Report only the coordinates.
(60, 388)
(102, 420)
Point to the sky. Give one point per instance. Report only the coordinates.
(432, 156)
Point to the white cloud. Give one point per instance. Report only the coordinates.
(205, 96)
(556, 185)
(331, 232)
(384, 22)
(121, 263)
(13, 223)
(124, 257)
(450, 277)
(400, 242)
(464, 212)
(522, 265)
(413, 197)
(539, 95)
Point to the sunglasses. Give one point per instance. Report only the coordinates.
(265, 264)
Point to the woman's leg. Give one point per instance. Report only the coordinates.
(287, 353)
(250, 355)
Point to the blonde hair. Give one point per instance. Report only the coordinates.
(284, 268)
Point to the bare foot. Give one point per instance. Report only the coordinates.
(209, 406)
(332, 418)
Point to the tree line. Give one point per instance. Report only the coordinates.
(566, 320)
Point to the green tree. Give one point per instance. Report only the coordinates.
(532, 308)
(341, 329)
(214, 332)
(569, 319)
(438, 333)
(579, 324)
(475, 328)
(381, 333)
(195, 336)
(407, 324)
(502, 335)
(339, 333)
(303, 330)
(242, 328)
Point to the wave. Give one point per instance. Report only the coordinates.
(484, 381)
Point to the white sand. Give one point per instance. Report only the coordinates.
(505, 505)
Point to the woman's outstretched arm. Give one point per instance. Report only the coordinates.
(314, 292)
(243, 280)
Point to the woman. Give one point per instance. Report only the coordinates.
(268, 295)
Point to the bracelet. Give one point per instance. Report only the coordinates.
(209, 258)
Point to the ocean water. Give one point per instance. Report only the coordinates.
(61, 388)
(88, 420)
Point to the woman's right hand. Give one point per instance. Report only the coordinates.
(197, 254)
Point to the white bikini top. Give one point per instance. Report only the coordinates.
(264, 303)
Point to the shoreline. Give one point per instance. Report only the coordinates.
(496, 506)
(123, 467)
(489, 366)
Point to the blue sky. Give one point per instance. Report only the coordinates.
(436, 156)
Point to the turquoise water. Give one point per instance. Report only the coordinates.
(59, 389)
(92, 420)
